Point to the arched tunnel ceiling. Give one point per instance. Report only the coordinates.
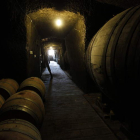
(44, 20)
(54, 43)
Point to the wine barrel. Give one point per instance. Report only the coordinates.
(88, 57)
(25, 105)
(35, 84)
(113, 58)
(8, 87)
(2, 100)
(17, 129)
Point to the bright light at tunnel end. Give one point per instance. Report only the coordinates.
(51, 52)
(58, 22)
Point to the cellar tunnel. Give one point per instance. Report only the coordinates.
(69, 37)
(62, 32)
(73, 36)
(30, 25)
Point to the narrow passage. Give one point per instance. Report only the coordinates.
(68, 114)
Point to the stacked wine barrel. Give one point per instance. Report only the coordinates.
(21, 109)
(113, 61)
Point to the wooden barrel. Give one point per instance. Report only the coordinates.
(17, 129)
(113, 60)
(2, 100)
(25, 105)
(113, 54)
(35, 84)
(8, 87)
(88, 57)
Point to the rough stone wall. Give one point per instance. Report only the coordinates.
(33, 47)
(95, 13)
(75, 47)
(13, 41)
(14, 54)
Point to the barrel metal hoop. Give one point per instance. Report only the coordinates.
(2, 97)
(27, 100)
(130, 36)
(6, 90)
(20, 131)
(92, 75)
(116, 41)
(21, 108)
(106, 47)
(20, 121)
(32, 85)
(9, 84)
(35, 82)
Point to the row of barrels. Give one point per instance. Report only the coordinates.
(21, 109)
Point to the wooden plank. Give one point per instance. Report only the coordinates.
(123, 46)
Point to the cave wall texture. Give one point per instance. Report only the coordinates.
(14, 55)
(33, 49)
(75, 47)
(13, 41)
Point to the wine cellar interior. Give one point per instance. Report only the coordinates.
(70, 70)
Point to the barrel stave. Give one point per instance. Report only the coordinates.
(8, 87)
(24, 105)
(14, 129)
(34, 84)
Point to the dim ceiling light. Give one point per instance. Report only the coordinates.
(58, 22)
